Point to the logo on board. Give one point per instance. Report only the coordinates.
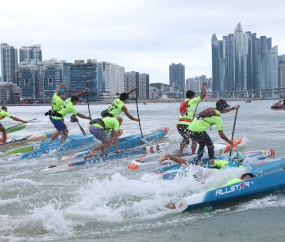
(234, 188)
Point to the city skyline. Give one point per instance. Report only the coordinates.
(242, 61)
(146, 42)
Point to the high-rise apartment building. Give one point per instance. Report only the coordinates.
(9, 63)
(131, 81)
(112, 76)
(33, 52)
(241, 61)
(195, 84)
(177, 75)
(281, 74)
(141, 81)
(84, 75)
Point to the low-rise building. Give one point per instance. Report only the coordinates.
(9, 93)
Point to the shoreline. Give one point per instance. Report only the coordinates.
(149, 101)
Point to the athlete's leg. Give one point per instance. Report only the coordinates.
(4, 132)
(64, 135)
(105, 144)
(199, 138)
(99, 133)
(183, 131)
(193, 146)
(55, 135)
(210, 146)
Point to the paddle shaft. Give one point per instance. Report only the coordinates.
(195, 111)
(88, 105)
(138, 114)
(233, 133)
(20, 124)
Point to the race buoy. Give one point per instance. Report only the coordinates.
(1, 138)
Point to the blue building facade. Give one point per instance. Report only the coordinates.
(51, 81)
(27, 84)
(84, 75)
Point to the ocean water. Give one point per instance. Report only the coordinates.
(108, 202)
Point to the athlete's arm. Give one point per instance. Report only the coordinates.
(129, 92)
(80, 93)
(83, 116)
(225, 138)
(125, 110)
(62, 84)
(134, 90)
(226, 110)
(116, 140)
(17, 119)
(203, 93)
(178, 160)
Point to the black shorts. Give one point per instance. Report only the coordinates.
(184, 131)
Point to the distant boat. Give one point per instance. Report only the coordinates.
(248, 101)
(279, 105)
(144, 103)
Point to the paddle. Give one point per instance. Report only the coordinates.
(88, 105)
(75, 119)
(21, 124)
(233, 134)
(138, 118)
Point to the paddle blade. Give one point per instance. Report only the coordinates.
(82, 130)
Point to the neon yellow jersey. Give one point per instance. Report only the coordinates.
(199, 125)
(189, 110)
(65, 108)
(221, 163)
(56, 102)
(233, 181)
(4, 114)
(116, 107)
(110, 123)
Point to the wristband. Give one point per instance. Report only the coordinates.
(233, 108)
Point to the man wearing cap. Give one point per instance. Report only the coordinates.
(57, 98)
(205, 120)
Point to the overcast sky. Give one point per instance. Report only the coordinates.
(144, 36)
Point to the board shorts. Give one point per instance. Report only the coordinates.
(58, 124)
(184, 132)
(203, 140)
(98, 133)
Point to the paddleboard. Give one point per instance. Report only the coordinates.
(170, 172)
(125, 143)
(264, 184)
(219, 148)
(112, 156)
(11, 129)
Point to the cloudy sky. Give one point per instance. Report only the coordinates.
(144, 36)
